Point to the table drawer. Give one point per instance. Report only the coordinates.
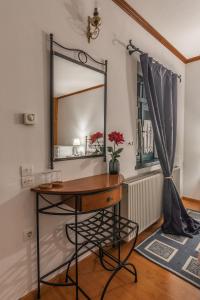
(101, 200)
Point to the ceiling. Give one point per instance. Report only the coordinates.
(177, 20)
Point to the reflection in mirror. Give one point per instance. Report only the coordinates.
(78, 116)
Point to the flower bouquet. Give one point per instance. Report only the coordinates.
(117, 138)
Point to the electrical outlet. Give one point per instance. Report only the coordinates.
(26, 170)
(28, 234)
(28, 181)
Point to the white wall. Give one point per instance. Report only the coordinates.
(192, 130)
(24, 88)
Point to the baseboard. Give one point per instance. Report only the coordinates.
(190, 199)
(32, 294)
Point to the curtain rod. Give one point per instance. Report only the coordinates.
(132, 49)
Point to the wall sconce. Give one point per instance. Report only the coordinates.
(94, 24)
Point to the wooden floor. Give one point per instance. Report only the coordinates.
(154, 282)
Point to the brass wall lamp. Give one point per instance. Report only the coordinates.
(94, 24)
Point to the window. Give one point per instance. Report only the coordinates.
(146, 151)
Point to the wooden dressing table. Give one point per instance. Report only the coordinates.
(102, 230)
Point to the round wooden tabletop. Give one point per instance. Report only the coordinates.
(84, 185)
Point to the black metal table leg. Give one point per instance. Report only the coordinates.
(119, 237)
(38, 245)
(76, 245)
(114, 226)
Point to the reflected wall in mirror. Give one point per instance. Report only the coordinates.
(78, 118)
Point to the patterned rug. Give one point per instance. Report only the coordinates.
(177, 254)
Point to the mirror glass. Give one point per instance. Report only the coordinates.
(78, 110)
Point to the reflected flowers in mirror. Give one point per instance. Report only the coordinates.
(97, 142)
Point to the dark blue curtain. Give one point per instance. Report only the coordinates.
(161, 92)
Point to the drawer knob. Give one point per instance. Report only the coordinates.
(109, 199)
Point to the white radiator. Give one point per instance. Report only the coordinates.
(142, 198)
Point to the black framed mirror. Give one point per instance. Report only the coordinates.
(78, 96)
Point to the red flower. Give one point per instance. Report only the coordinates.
(96, 136)
(116, 137)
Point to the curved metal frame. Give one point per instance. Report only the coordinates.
(120, 265)
(90, 243)
(102, 253)
(79, 51)
(83, 58)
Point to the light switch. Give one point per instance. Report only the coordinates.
(26, 170)
(27, 181)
